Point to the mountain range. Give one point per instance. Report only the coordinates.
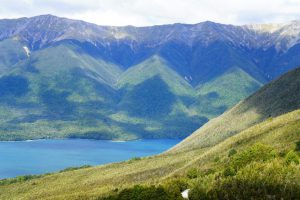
(68, 78)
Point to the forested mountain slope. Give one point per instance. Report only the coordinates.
(64, 78)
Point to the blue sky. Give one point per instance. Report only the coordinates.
(151, 12)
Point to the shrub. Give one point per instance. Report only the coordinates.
(282, 153)
(139, 192)
(134, 159)
(201, 186)
(231, 152)
(258, 152)
(192, 173)
(20, 179)
(261, 181)
(229, 171)
(217, 159)
(292, 157)
(175, 187)
(258, 180)
(75, 168)
(297, 146)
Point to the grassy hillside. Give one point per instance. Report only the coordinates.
(224, 92)
(280, 133)
(155, 66)
(278, 97)
(156, 98)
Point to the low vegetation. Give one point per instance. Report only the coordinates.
(252, 177)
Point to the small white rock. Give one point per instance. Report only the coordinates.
(185, 194)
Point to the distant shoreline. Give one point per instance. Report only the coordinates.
(115, 141)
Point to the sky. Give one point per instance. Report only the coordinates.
(154, 12)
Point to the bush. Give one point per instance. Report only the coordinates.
(192, 173)
(231, 152)
(297, 146)
(75, 168)
(261, 181)
(200, 188)
(20, 179)
(175, 187)
(134, 159)
(292, 157)
(139, 192)
(217, 159)
(229, 171)
(258, 152)
(282, 153)
(258, 180)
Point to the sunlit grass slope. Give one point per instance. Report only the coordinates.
(224, 91)
(278, 97)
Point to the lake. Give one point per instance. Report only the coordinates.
(43, 156)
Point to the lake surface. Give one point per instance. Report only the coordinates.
(43, 156)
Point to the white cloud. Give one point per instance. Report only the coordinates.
(150, 12)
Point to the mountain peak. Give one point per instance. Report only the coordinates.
(45, 16)
(51, 29)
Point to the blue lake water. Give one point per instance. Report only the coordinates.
(43, 156)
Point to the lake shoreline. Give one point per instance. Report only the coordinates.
(32, 140)
(93, 139)
(42, 156)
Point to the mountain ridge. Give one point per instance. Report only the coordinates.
(81, 67)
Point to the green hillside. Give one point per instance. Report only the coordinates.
(68, 93)
(59, 92)
(278, 97)
(12, 51)
(224, 92)
(156, 98)
(156, 66)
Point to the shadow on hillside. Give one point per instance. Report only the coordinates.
(151, 98)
